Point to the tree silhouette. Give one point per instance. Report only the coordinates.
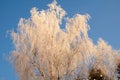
(118, 70)
(96, 74)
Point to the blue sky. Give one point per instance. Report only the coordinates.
(104, 23)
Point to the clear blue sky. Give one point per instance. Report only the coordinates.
(104, 23)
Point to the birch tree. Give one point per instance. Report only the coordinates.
(44, 51)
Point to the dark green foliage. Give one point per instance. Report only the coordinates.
(96, 74)
(118, 70)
